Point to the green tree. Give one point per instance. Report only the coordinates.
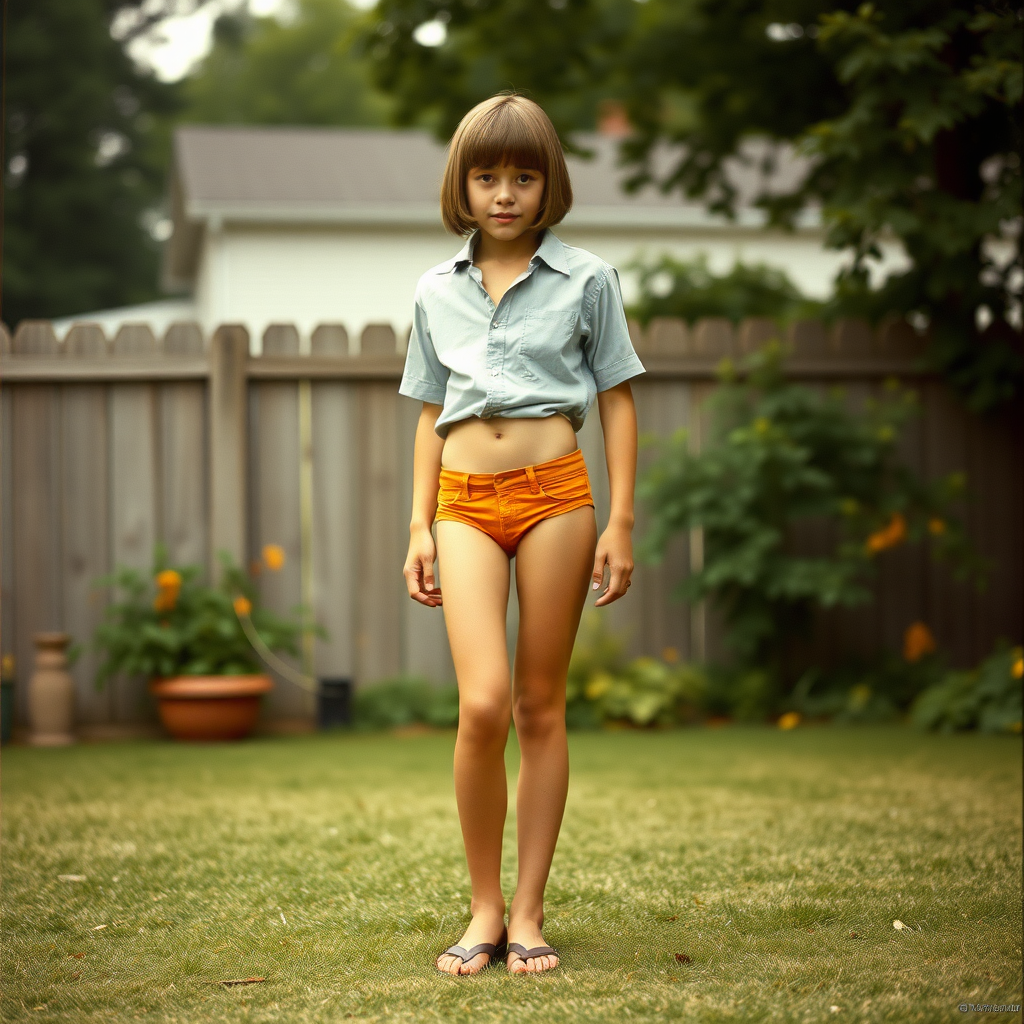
(85, 151)
(909, 111)
(263, 71)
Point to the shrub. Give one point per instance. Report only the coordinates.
(167, 622)
(603, 687)
(782, 455)
(987, 698)
(405, 700)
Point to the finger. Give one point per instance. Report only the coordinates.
(598, 574)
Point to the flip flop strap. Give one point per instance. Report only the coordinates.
(525, 954)
(468, 954)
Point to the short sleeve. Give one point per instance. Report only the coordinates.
(424, 377)
(607, 348)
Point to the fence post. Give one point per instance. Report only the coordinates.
(228, 395)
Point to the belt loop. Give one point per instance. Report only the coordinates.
(534, 486)
(465, 486)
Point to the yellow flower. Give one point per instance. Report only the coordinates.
(917, 642)
(168, 580)
(598, 686)
(889, 536)
(273, 555)
(242, 605)
(1018, 664)
(762, 425)
(886, 433)
(790, 720)
(670, 654)
(936, 526)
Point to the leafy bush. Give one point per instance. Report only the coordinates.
(405, 700)
(987, 698)
(782, 455)
(603, 687)
(169, 623)
(688, 289)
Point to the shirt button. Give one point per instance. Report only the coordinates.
(494, 373)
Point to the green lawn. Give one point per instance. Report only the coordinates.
(776, 862)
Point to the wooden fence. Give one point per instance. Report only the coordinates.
(108, 445)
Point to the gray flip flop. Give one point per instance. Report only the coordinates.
(524, 954)
(493, 950)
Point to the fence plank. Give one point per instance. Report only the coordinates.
(85, 516)
(227, 395)
(336, 585)
(8, 589)
(134, 500)
(275, 496)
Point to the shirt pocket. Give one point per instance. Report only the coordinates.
(544, 344)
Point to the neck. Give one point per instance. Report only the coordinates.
(489, 248)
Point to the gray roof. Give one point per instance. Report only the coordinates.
(386, 176)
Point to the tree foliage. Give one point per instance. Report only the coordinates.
(908, 110)
(85, 152)
(303, 71)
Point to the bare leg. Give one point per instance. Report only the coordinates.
(475, 580)
(554, 563)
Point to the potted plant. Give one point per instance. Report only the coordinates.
(195, 642)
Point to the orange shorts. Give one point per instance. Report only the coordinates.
(505, 505)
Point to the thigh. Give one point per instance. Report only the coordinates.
(554, 563)
(474, 573)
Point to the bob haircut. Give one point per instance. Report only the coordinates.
(506, 129)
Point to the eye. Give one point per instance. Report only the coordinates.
(524, 178)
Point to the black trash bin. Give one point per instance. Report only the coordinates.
(334, 703)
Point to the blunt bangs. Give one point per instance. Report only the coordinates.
(506, 129)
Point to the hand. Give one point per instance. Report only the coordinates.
(614, 547)
(419, 569)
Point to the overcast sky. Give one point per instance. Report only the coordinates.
(179, 42)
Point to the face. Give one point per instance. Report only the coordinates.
(504, 200)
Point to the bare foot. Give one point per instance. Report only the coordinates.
(527, 933)
(488, 925)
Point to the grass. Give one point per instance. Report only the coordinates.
(332, 866)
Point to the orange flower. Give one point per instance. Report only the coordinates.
(936, 526)
(273, 555)
(242, 605)
(165, 600)
(917, 642)
(889, 536)
(790, 720)
(168, 580)
(1018, 663)
(670, 654)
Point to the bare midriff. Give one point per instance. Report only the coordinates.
(500, 443)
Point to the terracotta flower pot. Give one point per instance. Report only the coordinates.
(210, 707)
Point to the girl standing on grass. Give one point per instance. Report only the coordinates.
(512, 340)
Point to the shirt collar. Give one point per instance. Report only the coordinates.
(551, 250)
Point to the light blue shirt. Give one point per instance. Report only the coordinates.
(557, 337)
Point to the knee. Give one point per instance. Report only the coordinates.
(539, 715)
(483, 719)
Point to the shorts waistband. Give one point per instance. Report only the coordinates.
(552, 470)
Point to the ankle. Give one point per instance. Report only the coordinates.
(487, 907)
(531, 915)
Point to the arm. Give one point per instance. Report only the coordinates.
(419, 563)
(615, 545)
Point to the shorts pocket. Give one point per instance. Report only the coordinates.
(569, 488)
(448, 493)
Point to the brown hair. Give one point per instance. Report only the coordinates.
(506, 129)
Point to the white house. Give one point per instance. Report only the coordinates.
(335, 225)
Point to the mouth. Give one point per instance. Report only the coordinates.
(504, 218)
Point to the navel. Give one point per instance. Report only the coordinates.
(497, 435)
